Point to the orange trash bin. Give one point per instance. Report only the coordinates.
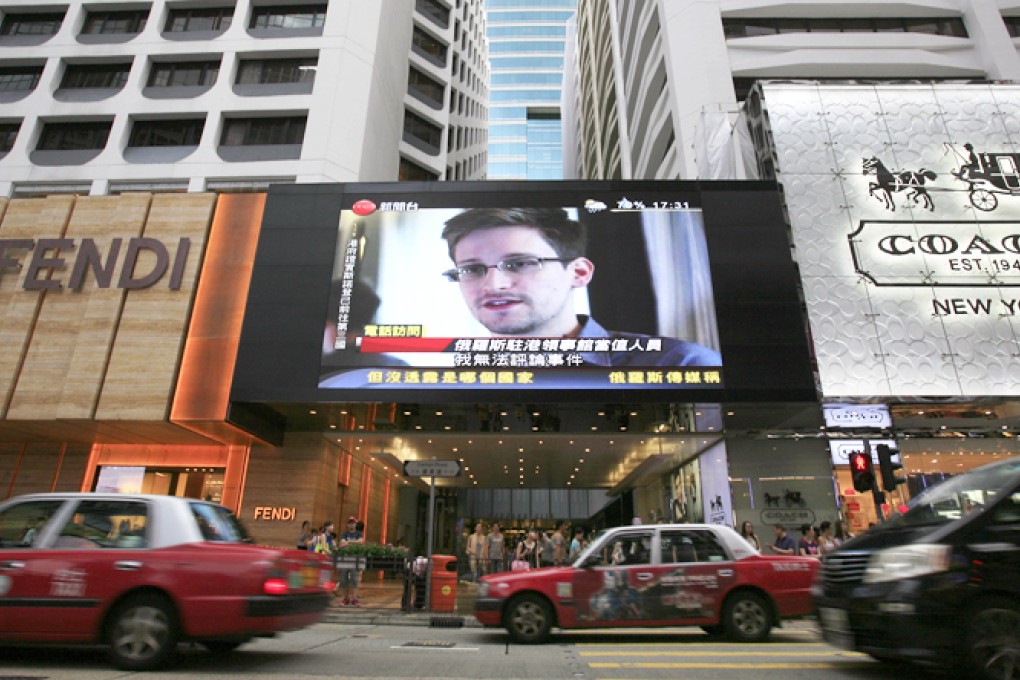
(443, 595)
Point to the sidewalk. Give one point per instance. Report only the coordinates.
(381, 605)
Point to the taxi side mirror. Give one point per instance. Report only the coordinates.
(591, 561)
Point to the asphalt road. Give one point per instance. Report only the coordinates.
(377, 651)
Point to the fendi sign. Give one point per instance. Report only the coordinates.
(56, 263)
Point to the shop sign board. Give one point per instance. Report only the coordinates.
(275, 514)
(431, 468)
(857, 416)
(904, 206)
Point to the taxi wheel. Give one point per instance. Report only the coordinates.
(528, 619)
(143, 633)
(747, 617)
(993, 641)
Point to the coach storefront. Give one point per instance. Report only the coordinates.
(904, 208)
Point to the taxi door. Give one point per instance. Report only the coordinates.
(96, 551)
(613, 592)
(694, 571)
(23, 526)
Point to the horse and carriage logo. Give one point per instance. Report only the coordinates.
(791, 499)
(987, 175)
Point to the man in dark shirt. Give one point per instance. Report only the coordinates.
(784, 544)
(518, 269)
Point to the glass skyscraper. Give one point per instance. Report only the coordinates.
(526, 44)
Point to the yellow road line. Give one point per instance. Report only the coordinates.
(758, 666)
(714, 645)
(711, 652)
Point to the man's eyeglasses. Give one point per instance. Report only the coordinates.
(515, 265)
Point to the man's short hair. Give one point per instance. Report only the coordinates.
(567, 237)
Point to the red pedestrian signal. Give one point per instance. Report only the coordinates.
(862, 471)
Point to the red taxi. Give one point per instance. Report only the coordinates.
(656, 575)
(140, 573)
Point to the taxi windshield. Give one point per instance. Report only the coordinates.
(960, 495)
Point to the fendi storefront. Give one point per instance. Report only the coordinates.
(120, 318)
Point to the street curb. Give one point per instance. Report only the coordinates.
(363, 617)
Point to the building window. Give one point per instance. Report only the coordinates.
(434, 10)
(184, 74)
(428, 46)
(42, 23)
(276, 71)
(124, 21)
(292, 16)
(258, 131)
(8, 133)
(199, 19)
(74, 136)
(422, 133)
(410, 172)
(167, 132)
(1013, 26)
(744, 28)
(78, 76)
(19, 78)
(425, 88)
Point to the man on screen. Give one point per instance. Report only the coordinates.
(517, 269)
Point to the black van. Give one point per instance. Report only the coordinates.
(939, 583)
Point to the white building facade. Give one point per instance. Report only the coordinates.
(657, 92)
(105, 97)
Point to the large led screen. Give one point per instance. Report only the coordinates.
(534, 291)
(569, 291)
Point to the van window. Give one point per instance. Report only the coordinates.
(961, 495)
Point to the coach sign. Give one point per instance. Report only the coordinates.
(904, 205)
(56, 263)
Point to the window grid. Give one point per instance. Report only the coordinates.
(423, 130)
(745, 27)
(125, 21)
(296, 16)
(100, 76)
(19, 78)
(74, 136)
(8, 134)
(199, 19)
(263, 131)
(184, 74)
(429, 45)
(149, 133)
(47, 23)
(277, 71)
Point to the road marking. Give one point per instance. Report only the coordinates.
(674, 644)
(736, 666)
(434, 649)
(714, 652)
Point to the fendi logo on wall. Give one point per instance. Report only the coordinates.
(57, 263)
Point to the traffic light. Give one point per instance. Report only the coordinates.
(862, 470)
(888, 467)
